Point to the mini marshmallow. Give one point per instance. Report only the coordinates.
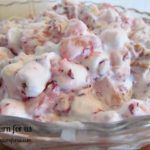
(31, 79)
(3, 40)
(141, 36)
(14, 35)
(114, 39)
(109, 15)
(107, 117)
(97, 63)
(48, 59)
(4, 53)
(76, 28)
(135, 108)
(8, 75)
(12, 107)
(89, 14)
(141, 88)
(56, 28)
(72, 76)
(78, 46)
(47, 47)
(139, 24)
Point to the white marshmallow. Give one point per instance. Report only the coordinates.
(109, 15)
(76, 28)
(76, 46)
(11, 107)
(14, 35)
(8, 75)
(114, 39)
(107, 117)
(47, 47)
(4, 53)
(31, 79)
(76, 80)
(135, 108)
(97, 63)
(141, 88)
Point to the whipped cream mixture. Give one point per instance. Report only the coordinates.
(75, 62)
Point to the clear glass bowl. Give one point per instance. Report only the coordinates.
(133, 133)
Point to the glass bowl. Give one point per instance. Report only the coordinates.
(25, 134)
(133, 133)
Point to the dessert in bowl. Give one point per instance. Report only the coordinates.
(78, 74)
(75, 62)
